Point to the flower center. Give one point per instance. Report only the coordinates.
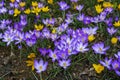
(40, 67)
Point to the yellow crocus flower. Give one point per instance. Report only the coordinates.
(98, 68)
(22, 4)
(119, 6)
(91, 38)
(35, 4)
(16, 12)
(27, 11)
(45, 9)
(50, 1)
(39, 27)
(31, 55)
(36, 10)
(98, 8)
(54, 31)
(107, 4)
(30, 62)
(114, 40)
(100, 0)
(117, 24)
(12, 1)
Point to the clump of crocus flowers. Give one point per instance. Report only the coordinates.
(68, 33)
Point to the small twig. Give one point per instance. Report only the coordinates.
(4, 75)
(34, 75)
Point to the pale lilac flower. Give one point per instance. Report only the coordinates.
(19, 38)
(64, 63)
(63, 5)
(79, 7)
(74, 1)
(40, 66)
(111, 30)
(99, 48)
(53, 55)
(3, 10)
(90, 30)
(107, 63)
(8, 38)
(81, 17)
(30, 42)
(40, 5)
(68, 20)
(81, 47)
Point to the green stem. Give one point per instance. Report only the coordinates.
(63, 15)
(11, 47)
(40, 76)
(20, 53)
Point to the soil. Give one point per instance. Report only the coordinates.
(11, 68)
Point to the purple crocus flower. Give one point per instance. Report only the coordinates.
(62, 54)
(79, 7)
(30, 42)
(68, 20)
(54, 37)
(45, 21)
(64, 63)
(74, 1)
(3, 26)
(23, 20)
(109, 9)
(116, 65)
(11, 12)
(99, 48)
(90, 30)
(116, 18)
(40, 5)
(27, 35)
(16, 5)
(8, 21)
(18, 1)
(109, 21)
(7, 37)
(71, 50)
(107, 63)
(81, 47)
(52, 21)
(46, 33)
(117, 55)
(53, 55)
(111, 30)
(102, 16)
(11, 5)
(19, 38)
(37, 34)
(81, 17)
(3, 10)
(43, 51)
(40, 66)
(86, 20)
(63, 5)
(18, 26)
(2, 3)
(95, 19)
(117, 72)
(62, 28)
